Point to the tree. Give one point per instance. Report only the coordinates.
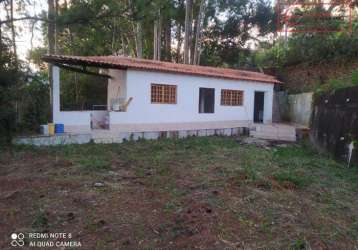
(9, 79)
(51, 38)
(196, 57)
(188, 30)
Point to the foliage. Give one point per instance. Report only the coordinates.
(312, 47)
(225, 42)
(81, 92)
(336, 83)
(35, 100)
(9, 79)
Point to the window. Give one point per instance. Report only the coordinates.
(231, 97)
(163, 93)
(206, 100)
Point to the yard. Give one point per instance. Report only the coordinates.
(205, 193)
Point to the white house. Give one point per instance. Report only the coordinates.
(147, 95)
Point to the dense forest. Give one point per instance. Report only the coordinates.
(222, 33)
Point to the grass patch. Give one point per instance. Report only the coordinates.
(94, 164)
(300, 180)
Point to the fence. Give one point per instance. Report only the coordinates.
(335, 123)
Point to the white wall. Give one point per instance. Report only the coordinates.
(141, 110)
(116, 85)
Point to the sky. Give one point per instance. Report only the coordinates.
(23, 28)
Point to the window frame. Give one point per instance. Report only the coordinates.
(231, 101)
(161, 95)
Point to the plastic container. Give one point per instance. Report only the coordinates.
(44, 129)
(51, 129)
(59, 128)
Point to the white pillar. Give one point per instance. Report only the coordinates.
(55, 93)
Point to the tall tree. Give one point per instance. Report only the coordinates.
(51, 37)
(188, 30)
(13, 33)
(157, 36)
(198, 32)
(139, 39)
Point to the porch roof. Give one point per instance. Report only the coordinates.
(120, 62)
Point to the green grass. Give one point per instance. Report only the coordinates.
(93, 163)
(298, 179)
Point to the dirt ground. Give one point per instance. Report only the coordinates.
(196, 193)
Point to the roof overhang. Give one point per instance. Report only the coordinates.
(118, 62)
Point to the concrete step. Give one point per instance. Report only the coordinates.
(276, 138)
(274, 132)
(274, 129)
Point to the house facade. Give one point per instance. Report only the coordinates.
(146, 94)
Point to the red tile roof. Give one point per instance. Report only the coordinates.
(151, 65)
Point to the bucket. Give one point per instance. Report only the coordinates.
(44, 129)
(59, 128)
(51, 129)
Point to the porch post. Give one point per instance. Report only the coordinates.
(55, 93)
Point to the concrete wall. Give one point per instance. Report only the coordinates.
(141, 110)
(300, 108)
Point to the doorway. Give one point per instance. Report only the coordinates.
(206, 100)
(259, 107)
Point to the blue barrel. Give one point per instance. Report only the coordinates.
(59, 128)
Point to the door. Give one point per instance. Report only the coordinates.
(206, 100)
(259, 107)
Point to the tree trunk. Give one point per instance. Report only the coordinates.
(179, 43)
(1, 46)
(55, 26)
(157, 38)
(167, 39)
(188, 29)
(51, 45)
(198, 33)
(13, 34)
(139, 40)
